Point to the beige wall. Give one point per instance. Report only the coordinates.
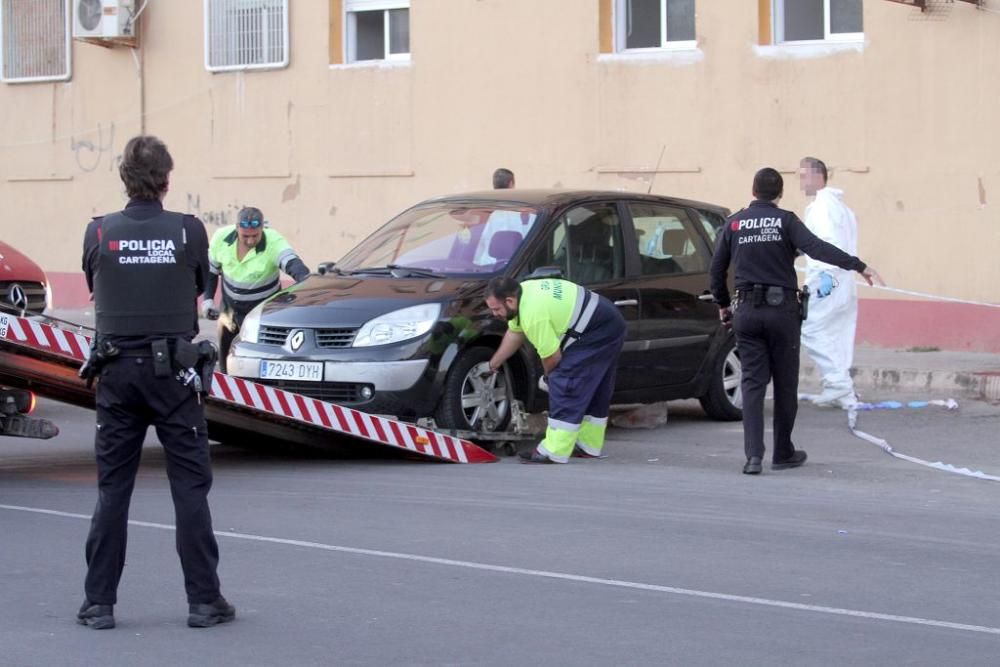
(907, 121)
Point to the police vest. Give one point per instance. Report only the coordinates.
(142, 284)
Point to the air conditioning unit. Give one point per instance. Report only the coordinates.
(103, 19)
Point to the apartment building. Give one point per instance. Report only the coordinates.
(333, 115)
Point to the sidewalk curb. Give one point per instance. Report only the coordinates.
(966, 384)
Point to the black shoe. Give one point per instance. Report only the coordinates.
(533, 456)
(752, 466)
(201, 615)
(797, 459)
(96, 616)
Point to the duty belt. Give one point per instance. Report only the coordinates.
(583, 312)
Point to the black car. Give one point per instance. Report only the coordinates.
(400, 326)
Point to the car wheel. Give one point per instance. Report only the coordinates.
(724, 399)
(474, 399)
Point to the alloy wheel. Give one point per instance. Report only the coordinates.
(485, 397)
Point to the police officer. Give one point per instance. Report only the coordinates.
(145, 267)
(579, 335)
(761, 242)
(250, 258)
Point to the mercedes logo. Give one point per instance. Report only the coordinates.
(296, 339)
(17, 297)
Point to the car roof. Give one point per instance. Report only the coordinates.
(552, 198)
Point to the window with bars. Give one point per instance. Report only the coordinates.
(246, 34)
(377, 29)
(818, 20)
(35, 40)
(654, 24)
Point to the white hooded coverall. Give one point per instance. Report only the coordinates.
(828, 333)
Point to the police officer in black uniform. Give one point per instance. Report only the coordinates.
(145, 267)
(761, 242)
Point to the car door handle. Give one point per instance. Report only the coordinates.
(706, 297)
(627, 302)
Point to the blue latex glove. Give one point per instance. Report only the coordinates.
(825, 285)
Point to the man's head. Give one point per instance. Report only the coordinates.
(812, 175)
(145, 168)
(502, 297)
(250, 226)
(768, 185)
(503, 179)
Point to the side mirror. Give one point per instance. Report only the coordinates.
(545, 272)
(325, 268)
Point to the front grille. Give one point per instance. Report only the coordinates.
(335, 337)
(34, 294)
(273, 335)
(333, 392)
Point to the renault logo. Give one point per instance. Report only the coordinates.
(17, 297)
(296, 339)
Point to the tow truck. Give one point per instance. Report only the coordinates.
(41, 356)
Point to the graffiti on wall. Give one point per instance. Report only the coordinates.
(214, 217)
(90, 155)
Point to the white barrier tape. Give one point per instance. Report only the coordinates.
(924, 295)
(948, 404)
(852, 421)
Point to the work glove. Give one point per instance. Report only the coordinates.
(825, 285)
(208, 309)
(543, 384)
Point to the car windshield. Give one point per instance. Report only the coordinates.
(445, 239)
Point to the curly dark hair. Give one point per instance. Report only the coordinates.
(145, 167)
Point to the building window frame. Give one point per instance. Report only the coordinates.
(620, 16)
(217, 8)
(66, 41)
(351, 9)
(778, 26)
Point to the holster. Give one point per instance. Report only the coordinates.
(195, 364)
(208, 354)
(804, 303)
(101, 352)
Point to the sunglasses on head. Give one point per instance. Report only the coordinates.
(250, 224)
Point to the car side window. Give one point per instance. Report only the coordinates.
(586, 244)
(711, 222)
(667, 241)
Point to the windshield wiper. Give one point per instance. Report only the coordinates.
(395, 269)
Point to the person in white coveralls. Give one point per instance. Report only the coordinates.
(828, 333)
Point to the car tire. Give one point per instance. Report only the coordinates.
(457, 411)
(724, 399)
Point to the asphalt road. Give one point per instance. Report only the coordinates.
(661, 554)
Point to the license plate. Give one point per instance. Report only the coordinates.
(309, 371)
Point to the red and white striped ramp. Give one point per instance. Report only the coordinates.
(45, 359)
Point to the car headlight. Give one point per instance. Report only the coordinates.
(398, 325)
(48, 296)
(251, 326)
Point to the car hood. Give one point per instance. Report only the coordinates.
(345, 301)
(16, 267)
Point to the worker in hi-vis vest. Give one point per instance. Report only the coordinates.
(250, 258)
(578, 335)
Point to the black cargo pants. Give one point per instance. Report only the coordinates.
(130, 399)
(768, 342)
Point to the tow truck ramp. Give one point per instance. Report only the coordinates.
(45, 358)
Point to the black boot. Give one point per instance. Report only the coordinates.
(202, 615)
(797, 459)
(96, 616)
